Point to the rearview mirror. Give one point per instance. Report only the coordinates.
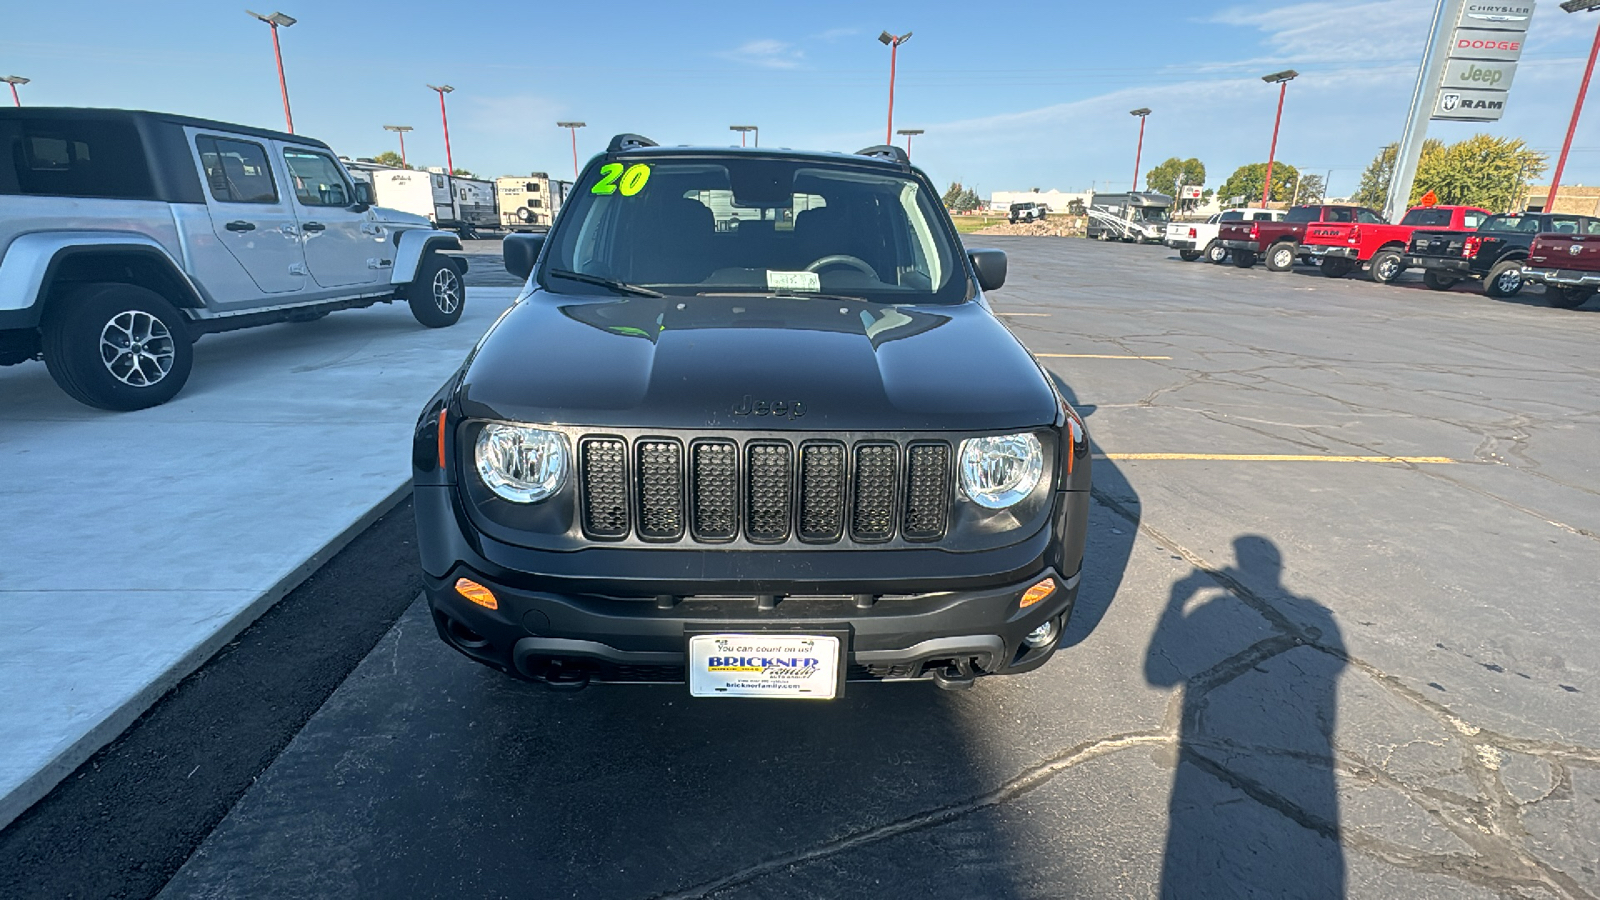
(990, 266)
(520, 252)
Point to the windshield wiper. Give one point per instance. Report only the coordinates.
(621, 287)
(785, 295)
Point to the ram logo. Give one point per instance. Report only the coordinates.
(1575, 249)
(1449, 101)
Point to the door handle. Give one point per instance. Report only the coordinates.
(240, 226)
(313, 226)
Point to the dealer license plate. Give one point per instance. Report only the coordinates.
(798, 666)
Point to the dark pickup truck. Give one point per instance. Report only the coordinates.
(1567, 264)
(1494, 253)
(1279, 242)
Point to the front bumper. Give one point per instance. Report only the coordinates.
(1329, 251)
(1251, 246)
(1458, 268)
(1562, 277)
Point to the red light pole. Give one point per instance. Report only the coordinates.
(744, 130)
(279, 20)
(400, 130)
(893, 43)
(1281, 79)
(1577, 105)
(1141, 112)
(909, 133)
(573, 126)
(14, 80)
(449, 164)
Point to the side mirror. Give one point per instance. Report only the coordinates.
(364, 194)
(990, 266)
(521, 251)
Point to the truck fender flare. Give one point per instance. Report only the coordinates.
(414, 244)
(33, 262)
(1392, 245)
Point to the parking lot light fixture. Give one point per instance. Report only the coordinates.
(1143, 113)
(743, 130)
(449, 164)
(279, 20)
(1572, 6)
(909, 133)
(1281, 79)
(14, 80)
(400, 130)
(893, 42)
(573, 127)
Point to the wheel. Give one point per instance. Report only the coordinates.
(1280, 257)
(117, 346)
(1567, 297)
(1333, 267)
(1386, 266)
(436, 295)
(1438, 282)
(1504, 280)
(1188, 255)
(1244, 259)
(1216, 253)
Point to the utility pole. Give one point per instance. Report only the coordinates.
(400, 130)
(449, 164)
(1143, 113)
(909, 134)
(1281, 79)
(1572, 6)
(893, 42)
(573, 127)
(279, 20)
(14, 80)
(1423, 99)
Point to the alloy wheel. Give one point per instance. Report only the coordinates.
(1510, 281)
(137, 348)
(447, 290)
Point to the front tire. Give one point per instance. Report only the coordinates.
(1188, 255)
(1216, 254)
(1566, 297)
(1386, 266)
(1336, 268)
(1280, 257)
(117, 346)
(437, 295)
(1244, 259)
(1438, 282)
(1504, 280)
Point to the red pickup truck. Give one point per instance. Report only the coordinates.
(1279, 242)
(1341, 247)
(1568, 265)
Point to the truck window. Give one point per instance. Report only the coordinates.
(1232, 215)
(1470, 220)
(1335, 214)
(1591, 226)
(317, 179)
(1430, 218)
(73, 158)
(1564, 224)
(1368, 217)
(1304, 214)
(236, 171)
(1266, 217)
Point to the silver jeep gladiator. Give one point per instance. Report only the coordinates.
(125, 236)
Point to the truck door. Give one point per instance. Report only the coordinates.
(340, 244)
(251, 215)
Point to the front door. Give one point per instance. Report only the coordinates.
(340, 244)
(251, 217)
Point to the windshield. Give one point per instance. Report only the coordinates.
(1150, 213)
(682, 227)
(1427, 217)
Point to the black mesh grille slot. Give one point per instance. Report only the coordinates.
(660, 467)
(872, 513)
(822, 471)
(605, 487)
(768, 497)
(927, 491)
(716, 487)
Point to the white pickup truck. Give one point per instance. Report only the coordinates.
(1193, 240)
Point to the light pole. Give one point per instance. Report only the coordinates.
(14, 80)
(1573, 6)
(893, 42)
(573, 127)
(449, 164)
(743, 129)
(400, 130)
(909, 133)
(279, 20)
(1141, 112)
(1281, 79)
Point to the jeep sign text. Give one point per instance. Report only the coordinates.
(1478, 74)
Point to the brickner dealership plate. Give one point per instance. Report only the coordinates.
(796, 666)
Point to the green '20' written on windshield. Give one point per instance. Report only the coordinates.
(615, 178)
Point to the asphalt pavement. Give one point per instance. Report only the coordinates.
(1336, 637)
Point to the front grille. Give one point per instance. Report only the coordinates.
(766, 490)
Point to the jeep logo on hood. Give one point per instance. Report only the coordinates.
(778, 409)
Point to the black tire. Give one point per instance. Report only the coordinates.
(1567, 297)
(1280, 257)
(1215, 253)
(1333, 267)
(1437, 281)
(1386, 266)
(1188, 255)
(437, 295)
(1244, 259)
(1505, 279)
(117, 346)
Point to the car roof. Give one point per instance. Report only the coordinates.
(70, 113)
(703, 151)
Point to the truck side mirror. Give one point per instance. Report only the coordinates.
(364, 194)
(990, 266)
(520, 252)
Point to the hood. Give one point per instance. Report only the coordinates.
(391, 216)
(762, 363)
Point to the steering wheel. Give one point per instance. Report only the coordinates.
(841, 259)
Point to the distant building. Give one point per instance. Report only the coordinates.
(1572, 198)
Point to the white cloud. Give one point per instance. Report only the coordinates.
(766, 53)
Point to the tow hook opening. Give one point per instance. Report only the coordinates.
(958, 675)
(461, 635)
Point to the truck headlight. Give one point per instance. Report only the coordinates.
(520, 463)
(997, 472)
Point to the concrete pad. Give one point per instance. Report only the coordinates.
(138, 543)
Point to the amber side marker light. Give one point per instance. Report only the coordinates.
(1033, 595)
(442, 414)
(481, 595)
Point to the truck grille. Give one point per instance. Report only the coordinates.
(768, 491)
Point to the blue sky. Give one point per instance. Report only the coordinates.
(1012, 95)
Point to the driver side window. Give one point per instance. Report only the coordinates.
(317, 179)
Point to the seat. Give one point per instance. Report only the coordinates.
(675, 244)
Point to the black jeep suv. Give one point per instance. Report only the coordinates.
(752, 426)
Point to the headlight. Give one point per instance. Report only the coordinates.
(521, 464)
(996, 472)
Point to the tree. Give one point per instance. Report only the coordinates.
(462, 173)
(1175, 173)
(1374, 189)
(1482, 170)
(390, 158)
(1246, 181)
(968, 201)
(952, 196)
(1310, 189)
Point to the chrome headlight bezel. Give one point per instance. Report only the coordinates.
(521, 464)
(999, 471)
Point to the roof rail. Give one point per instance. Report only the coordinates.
(629, 141)
(886, 152)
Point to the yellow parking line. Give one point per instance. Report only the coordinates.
(1278, 457)
(1096, 356)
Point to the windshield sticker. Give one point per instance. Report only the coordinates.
(793, 281)
(626, 180)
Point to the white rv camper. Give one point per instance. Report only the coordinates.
(529, 203)
(461, 204)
